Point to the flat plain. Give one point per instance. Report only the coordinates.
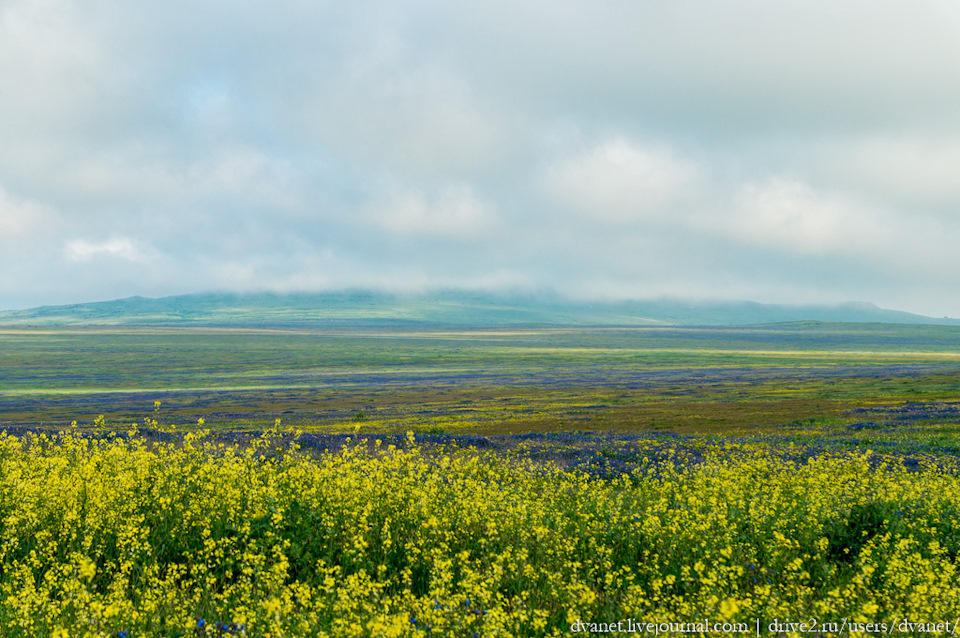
(398, 479)
(766, 380)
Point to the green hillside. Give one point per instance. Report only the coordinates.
(451, 307)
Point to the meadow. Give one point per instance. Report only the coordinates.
(400, 480)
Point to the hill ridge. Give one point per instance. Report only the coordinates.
(444, 307)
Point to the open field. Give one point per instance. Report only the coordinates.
(550, 476)
(117, 537)
(895, 382)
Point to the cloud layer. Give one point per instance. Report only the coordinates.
(780, 152)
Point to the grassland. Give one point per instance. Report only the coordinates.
(552, 475)
(725, 381)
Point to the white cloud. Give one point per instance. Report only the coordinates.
(51, 60)
(733, 69)
(135, 174)
(789, 215)
(122, 248)
(911, 169)
(454, 211)
(795, 219)
(386, 107)
(248, 175)
(620, 182)
(22, 220)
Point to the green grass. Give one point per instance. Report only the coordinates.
(732, 381)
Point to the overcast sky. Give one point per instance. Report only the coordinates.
(774, 151)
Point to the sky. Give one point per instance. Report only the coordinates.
(774, 151)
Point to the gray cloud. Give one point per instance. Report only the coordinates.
(768, 151)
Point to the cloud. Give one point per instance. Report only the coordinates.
(785, 214)
(135, 175)
(121, 248)
(405, 117)
(453, 211)
(612, 148)
(55, 64)
(23, 221)
(619, 182)
(744, 68)
(912, 170)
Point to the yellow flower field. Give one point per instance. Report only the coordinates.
(118, 537)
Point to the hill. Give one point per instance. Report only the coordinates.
(447, 307)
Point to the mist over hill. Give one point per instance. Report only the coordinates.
(445, 307)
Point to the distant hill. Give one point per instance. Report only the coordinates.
(449, 307)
